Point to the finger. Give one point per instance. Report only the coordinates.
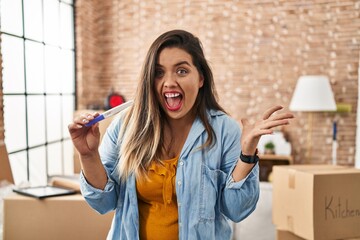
(287, 115)
(270, 111)
(84, 118)
(74, 126)
(276, 123)
(260, 132)
(81, 120)
(89, 116)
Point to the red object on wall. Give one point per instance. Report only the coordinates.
(114, 99)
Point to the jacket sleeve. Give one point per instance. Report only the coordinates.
(105, 200)
(238, 199)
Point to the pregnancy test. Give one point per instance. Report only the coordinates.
(109, 113)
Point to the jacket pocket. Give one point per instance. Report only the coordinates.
(212, 181)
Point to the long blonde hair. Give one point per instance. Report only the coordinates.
(141, 135)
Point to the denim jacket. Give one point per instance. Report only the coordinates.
(207, 196)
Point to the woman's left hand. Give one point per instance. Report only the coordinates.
(251, 133)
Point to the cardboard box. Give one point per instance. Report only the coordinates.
(286, 235)
(55, 218)
(5, 169)
(317, 201)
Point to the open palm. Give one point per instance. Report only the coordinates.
(251, 133)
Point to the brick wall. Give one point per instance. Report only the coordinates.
(257, 50)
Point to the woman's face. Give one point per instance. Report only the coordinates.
(177, 82)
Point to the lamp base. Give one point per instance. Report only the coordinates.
(309, 139)
(334, 152)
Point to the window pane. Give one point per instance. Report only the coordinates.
(67, 113)
(14, 119)
(53, 118)
(33, 19)
(11, 17)
(67, 25)
(52, 69)
(51, 22)
(36, 120)
(37, 36)
(18, 165)
(34, 67)
(68, 157)
(37, 162)
(67, 71)
(13, 64)
(55, 159)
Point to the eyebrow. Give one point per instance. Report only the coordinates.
(177, 64)
(182, 62)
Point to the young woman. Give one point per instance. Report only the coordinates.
(174, 165)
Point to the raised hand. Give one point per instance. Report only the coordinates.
(251, 133)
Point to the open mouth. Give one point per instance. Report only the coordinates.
(173, 101)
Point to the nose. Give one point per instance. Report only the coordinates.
(170, 80)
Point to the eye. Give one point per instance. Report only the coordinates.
(159, 73)
(182, 71)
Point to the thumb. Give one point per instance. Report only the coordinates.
(244, 122)
(95, 130)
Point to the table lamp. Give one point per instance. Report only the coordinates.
(312, 94)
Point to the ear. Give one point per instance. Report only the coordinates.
(201, 81)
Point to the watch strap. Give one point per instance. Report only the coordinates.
(251, 159)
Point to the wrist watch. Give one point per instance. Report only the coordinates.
(251, 159)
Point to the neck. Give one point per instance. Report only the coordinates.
(175, 135)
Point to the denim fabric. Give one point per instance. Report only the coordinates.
(207, 196)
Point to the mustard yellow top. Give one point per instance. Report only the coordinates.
(158, 212)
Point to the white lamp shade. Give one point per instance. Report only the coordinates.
(313, 94)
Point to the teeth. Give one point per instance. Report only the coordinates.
(172, 95)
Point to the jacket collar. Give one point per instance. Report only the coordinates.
(196, 131)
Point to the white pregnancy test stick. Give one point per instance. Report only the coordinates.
(109, 113)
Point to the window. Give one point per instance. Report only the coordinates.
(37, 45)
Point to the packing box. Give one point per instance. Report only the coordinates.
(317, 201)
(5, 169)
(286, 235)
(66, 217)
